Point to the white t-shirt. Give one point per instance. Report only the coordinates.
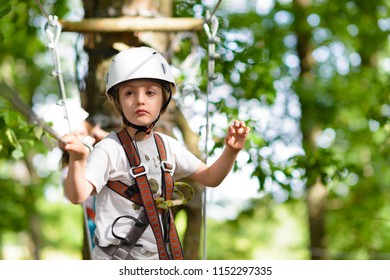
(108, 162)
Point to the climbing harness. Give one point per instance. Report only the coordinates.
(211, 27)
(168, 243)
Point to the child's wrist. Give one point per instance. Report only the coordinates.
(233, 150)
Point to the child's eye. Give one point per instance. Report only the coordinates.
(150, 92)
(128, 93)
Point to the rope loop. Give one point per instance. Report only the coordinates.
(210, 26)
(211, 32)
(53, 31)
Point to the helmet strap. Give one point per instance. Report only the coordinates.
(168, 100)
(141, 128)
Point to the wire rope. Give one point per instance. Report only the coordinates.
(53, 31)
(215, 8)
(211, 27)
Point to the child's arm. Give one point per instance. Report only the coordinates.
(77, 188)
(235, 140)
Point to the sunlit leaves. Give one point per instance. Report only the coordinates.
(18, 136)
(5, 8)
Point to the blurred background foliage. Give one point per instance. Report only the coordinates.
(310, 77)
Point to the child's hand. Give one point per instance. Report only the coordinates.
(73, 145)
(236, 135)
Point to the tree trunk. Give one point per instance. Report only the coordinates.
(316, 201)
(191, 242)
(31, 197)
(100, 48)
(316, 191)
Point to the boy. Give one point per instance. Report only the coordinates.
(126, 169)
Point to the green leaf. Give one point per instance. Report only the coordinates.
(38, 132)
(12, 137)
(5, 9)
(17, 154)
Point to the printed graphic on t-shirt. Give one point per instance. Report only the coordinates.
(154, 165)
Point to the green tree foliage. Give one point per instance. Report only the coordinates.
(319, 68)
(5, 9)
(24, 73)
(331, 56)
(345, 97)
(264, 230)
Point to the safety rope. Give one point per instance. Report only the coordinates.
(53, 31)
(210, 26)
(53, 23)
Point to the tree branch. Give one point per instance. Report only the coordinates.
(132, 24)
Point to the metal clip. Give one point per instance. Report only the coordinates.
(167, 167)
(139, 170)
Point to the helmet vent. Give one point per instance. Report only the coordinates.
(163, 68)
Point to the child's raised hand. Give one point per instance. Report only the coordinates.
(236, 135)
(74, 146)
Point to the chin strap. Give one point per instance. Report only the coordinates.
(140, 128)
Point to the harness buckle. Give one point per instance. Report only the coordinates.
(132, 190)
(139, 170)
(167, 167)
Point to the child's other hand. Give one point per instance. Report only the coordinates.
(236, 135)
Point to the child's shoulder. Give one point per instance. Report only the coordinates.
(111, 140)
(172, 143)
(166, 137)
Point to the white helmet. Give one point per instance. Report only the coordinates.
(139, 63)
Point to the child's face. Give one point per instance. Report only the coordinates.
(141, 101)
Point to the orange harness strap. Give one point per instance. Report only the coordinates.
(144, 196)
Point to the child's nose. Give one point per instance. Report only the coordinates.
(140, 97)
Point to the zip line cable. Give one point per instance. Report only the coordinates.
(215, 9)
(211, 33)
(46, 15)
